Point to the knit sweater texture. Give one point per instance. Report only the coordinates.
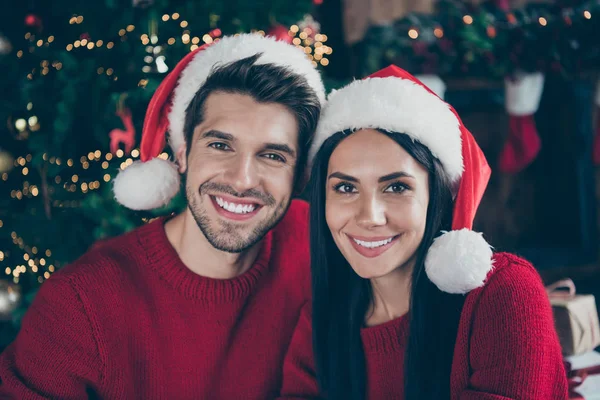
(506, 345)
(130, 321)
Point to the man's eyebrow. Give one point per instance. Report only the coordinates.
(217, 135)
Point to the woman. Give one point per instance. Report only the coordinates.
(395, 168)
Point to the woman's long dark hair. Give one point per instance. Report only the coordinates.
(341, 298)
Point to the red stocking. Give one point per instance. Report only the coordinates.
(522, 145)
(522, 94)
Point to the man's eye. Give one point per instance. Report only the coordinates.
(219, 146)
(274, 157)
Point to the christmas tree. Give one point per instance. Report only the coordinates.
(77, 77)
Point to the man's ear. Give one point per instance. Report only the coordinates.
(182, 158)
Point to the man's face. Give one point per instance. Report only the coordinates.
(240, 169)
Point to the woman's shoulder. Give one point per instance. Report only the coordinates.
(512, 286)
(511, 272)
(507, 335)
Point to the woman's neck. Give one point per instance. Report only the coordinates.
(391, 296)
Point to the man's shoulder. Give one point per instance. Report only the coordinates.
(106, 260)
(294, 225)
(290, 252)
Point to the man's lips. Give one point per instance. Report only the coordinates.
(235, 210)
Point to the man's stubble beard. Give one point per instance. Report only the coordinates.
(229, 237)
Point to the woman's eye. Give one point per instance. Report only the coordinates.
(396, 188)
(345, 188)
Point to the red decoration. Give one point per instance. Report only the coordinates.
(120, 136)
(85, 36)
(522, 145)
(317, 2)
(33, 21)
(577, 377)
(503, 5)
(280, 32)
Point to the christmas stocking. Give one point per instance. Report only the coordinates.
(597, 135)
(435, 83)
(522, 100)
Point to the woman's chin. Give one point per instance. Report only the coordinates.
(370, 271)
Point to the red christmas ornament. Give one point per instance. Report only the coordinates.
(120, 136)
(317, 2)
(85, 36)
(280, 32)
(33, 21)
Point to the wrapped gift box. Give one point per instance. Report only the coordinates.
(576, 319)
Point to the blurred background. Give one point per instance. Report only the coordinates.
(77, 77)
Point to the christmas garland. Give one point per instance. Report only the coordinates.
(461, 39)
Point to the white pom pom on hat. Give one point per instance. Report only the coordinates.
(152, 182)
(147, 185)
(393, 100)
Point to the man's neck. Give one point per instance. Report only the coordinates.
(200, 256)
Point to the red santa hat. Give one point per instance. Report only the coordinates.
(152, 182)
(393, 100)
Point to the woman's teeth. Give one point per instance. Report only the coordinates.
(235, 208)
(372, 245)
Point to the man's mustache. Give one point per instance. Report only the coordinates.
(212, 187)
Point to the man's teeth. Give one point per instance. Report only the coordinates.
(235, 208)
(372, 245)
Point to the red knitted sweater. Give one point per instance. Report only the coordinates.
(506, 346)
(130, 321)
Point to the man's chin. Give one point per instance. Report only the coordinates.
(229, 244)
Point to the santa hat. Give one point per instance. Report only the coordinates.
(522, 100)
(393, 100)
(152, 182)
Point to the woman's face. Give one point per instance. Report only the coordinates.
(376, 203)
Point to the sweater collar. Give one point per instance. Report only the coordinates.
(388, 337)
(163, 258)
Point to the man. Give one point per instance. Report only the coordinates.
(201, 305)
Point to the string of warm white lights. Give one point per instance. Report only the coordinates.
(29, 191)
(467, 19)
(305, 41)
(33, 259)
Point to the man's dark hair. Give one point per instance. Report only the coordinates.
(266, 83)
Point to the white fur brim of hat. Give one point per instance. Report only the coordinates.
(396, 105)
(522, 94)
(230, 49)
